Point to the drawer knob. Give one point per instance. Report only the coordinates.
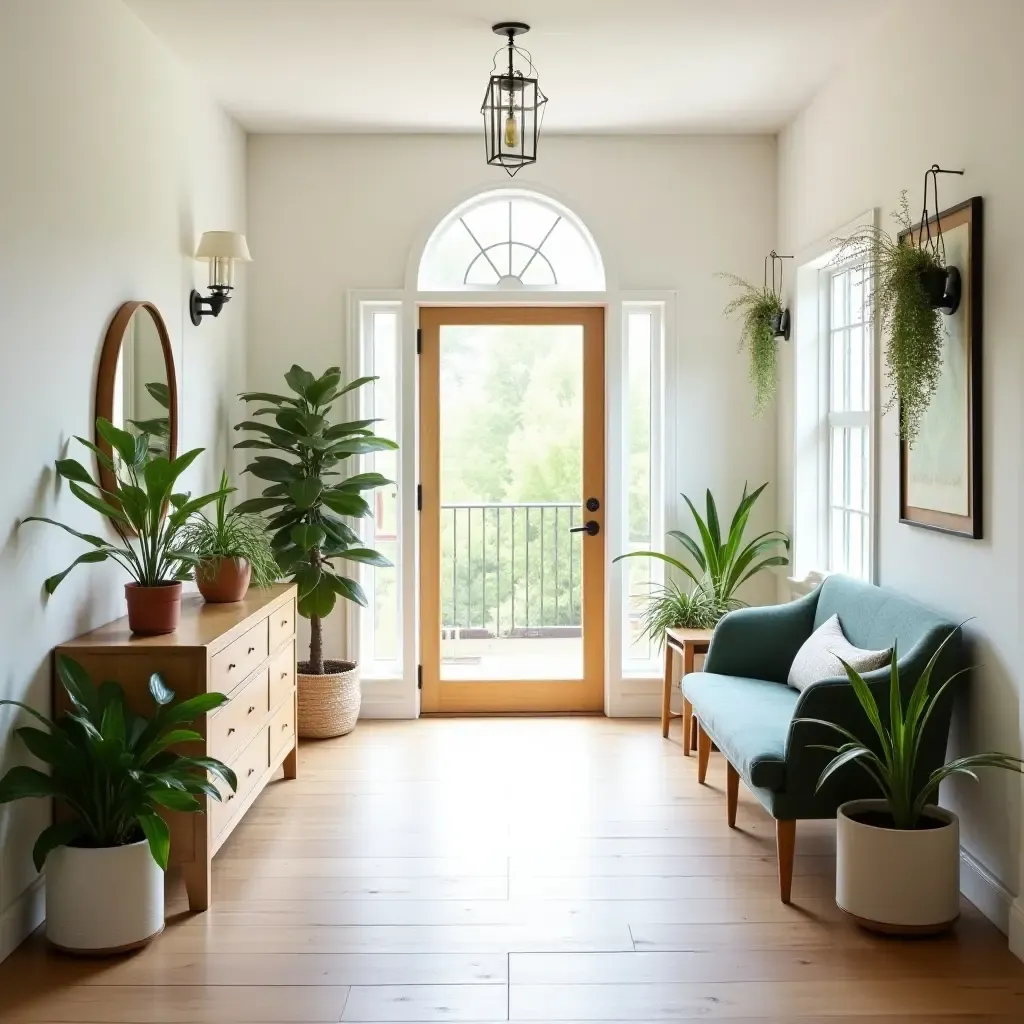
(231, 730)
(252, 708)
(250, 771)
(251, 649)
(284, 622)
(284, 675)
(231, 796)
(231, 665)
(284, 725)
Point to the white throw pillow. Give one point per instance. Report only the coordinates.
(819, 656)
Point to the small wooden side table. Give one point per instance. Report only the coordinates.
(689, 643)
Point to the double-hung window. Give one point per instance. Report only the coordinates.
(848, 339)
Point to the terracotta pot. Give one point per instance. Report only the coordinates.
(223, 580)
(153, 610)
(897, 880)
(103, 901)
(328, 704)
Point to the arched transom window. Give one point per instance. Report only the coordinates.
(507, 240)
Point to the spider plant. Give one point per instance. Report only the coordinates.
(672, 606)
(913, 326)
(230, 534)
(892, 760)
(111, 769)
(723, 565)
(760, 311)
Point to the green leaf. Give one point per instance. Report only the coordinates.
(22, 782)
(349, 590)
(276, 470)
(78, 685)
(362, 446)
(159, 475)
(320, 391)
(357, 383)
(305, 492)
(70, 469)
(120, 440)
(63, 833)
(364, 482)
(97, 542)
(175, 800)
(340, 430)
(160, 393)
(156, 831)
(160, 692)
(320, 601)
(299, 380)
(265, 396)
(307, 579)
(98, 504)
(101, 456)
(306, 536)
(53, 748)
(367, 556)
(346, 503)
(259, 505)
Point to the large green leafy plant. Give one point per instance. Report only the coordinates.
(671, 605)
(913, 326)
(308, 496)
(723, 564)
(891, 757)
(760, 311)
(230, 534)
(112, 770)
(143, 506)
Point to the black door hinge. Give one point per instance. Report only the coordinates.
(419, 340)
(419, 497)
(419, 677)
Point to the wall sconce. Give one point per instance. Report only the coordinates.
(221, 249)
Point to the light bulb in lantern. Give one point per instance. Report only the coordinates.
(511, 131)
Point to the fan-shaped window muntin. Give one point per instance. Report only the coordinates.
(507, 241)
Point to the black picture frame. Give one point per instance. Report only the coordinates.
(969, 213)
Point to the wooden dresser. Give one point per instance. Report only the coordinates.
(245, 650)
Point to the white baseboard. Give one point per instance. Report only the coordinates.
(1017, 929)
(985, 891)
(21, 918)
(388, 698)
(636, 698)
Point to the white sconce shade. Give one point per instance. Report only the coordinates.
(221, 249)
(225, 245)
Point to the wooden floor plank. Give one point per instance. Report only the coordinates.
(428, 871)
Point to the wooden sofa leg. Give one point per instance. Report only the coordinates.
(785, 844)
(703, 753)
(732, 792)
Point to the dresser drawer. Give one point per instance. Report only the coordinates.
(250, 766)
(239, 659)
(234, 723)
(282, 675)
(282, 624)
(282, 729)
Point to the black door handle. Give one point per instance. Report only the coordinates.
(591, 528)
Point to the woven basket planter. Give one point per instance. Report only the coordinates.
(329, 704)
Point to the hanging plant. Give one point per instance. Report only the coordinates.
(913, 288)
(763, 320)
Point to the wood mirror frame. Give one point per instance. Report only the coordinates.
(106, 379)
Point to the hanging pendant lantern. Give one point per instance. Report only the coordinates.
(781, 320)
(513, 106)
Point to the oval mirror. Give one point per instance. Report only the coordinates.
(136, 388)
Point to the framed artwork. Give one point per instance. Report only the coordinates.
(940, 477)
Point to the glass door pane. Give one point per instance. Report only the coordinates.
(510, 490)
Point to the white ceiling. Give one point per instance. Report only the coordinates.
(422, 65)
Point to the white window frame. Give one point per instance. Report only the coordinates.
(658, 310)
(836, 420)
(810, 425)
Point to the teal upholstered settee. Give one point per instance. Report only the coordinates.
(744, 706)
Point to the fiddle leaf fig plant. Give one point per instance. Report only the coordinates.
(143, 507)
(308, 497)
(760, 311)
(112, 770)
(913, 326)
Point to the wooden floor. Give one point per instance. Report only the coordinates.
(529, 870)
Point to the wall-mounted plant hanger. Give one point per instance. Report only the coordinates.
(763, 320)
(913, 289)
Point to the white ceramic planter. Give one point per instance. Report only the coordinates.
(103, 901)
(898, 881)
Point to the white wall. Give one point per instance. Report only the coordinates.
(333, 213)
(112, 162)
(872, 132)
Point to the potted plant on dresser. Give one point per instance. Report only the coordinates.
(898, 857)
(233, 550)
(308, 500)
(112, 772)
(147, 515)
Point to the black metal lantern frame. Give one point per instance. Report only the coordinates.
(781, 321)
(942, 283)
(513, 106)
